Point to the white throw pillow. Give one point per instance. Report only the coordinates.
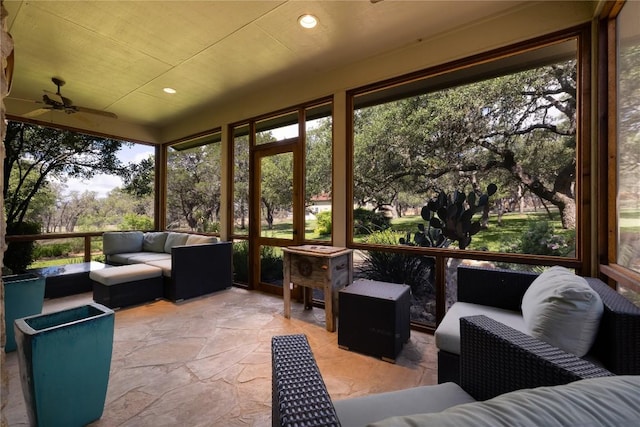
(561, 309)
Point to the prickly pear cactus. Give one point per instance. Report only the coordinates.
(449, 218)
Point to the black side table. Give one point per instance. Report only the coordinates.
(374, 318)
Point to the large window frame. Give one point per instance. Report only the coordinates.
(581, 262)
(619, 275)
(213, 136)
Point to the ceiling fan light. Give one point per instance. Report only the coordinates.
(169, 90)
(308, 21)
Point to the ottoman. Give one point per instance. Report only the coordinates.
(126, 285)
(374, 318)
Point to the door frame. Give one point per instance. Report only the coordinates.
(256, 240)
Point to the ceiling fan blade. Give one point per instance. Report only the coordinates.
(36, 113)
(55, 97)
(96, 112)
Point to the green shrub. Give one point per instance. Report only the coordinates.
(133, 221)
(19, 255)
(366, 221)
(241, 261)
(398, 267)
(540, 238)
(52, 250)
(270, 264)
(323, 223)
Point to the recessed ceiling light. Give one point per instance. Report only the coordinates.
(308, 21)
(169, 90)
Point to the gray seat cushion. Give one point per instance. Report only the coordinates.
(125, 274)
(606, 401)
(360, 411)
(447, 336)
(146, 257)
(165, 265)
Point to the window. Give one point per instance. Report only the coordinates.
(624, 152)
(628, 138)
(484, 155)
(510, 122)
(193, 185)
(318, 172)
(240, 182)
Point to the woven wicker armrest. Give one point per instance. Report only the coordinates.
(496, 359)
(493, 287)
(617, 345)
(299, 395)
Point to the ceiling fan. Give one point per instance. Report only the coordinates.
(57, 102)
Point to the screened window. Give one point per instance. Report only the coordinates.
(510, 122)
(240, 182)
(628, 137)
(318, 172)
(193, 185)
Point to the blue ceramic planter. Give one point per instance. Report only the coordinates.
(64, 360)
(23, 296)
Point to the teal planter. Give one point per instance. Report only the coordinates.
(23, 296)
(64, 360)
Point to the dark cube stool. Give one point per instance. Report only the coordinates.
(127, 285)
(374, 318)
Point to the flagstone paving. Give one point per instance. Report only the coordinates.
(207, 361)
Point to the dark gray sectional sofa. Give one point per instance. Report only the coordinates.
(192, 264)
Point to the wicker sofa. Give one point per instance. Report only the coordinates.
(192, 265)
(507, 378)
(617, 343)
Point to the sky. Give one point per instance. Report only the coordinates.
(103, 184)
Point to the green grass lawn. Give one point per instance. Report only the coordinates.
(497, 237)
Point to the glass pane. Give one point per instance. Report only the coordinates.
(271, 265)
(319, 131)
(241, 181)
(631, 293)
(516, 130)
(277, 128)
(628, 197)
(241, 261)
(276, 196)
(417, 271)
(193, 188)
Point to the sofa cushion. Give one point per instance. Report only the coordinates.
(606, 401)
(122, 258)
(124, 274)
(115, 242)
(154, 241)
(198, 239)
(359, 411)
(447, 336)
(561, 309)
(175, 239)
(146, 257)
(165, 265)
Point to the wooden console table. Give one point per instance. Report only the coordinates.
(317, 267)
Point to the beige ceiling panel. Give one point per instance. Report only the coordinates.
(49, 46)
(170, 31)
(146, 108)
(363, 29)
(242, 58)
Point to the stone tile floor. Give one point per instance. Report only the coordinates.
(207, 361)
